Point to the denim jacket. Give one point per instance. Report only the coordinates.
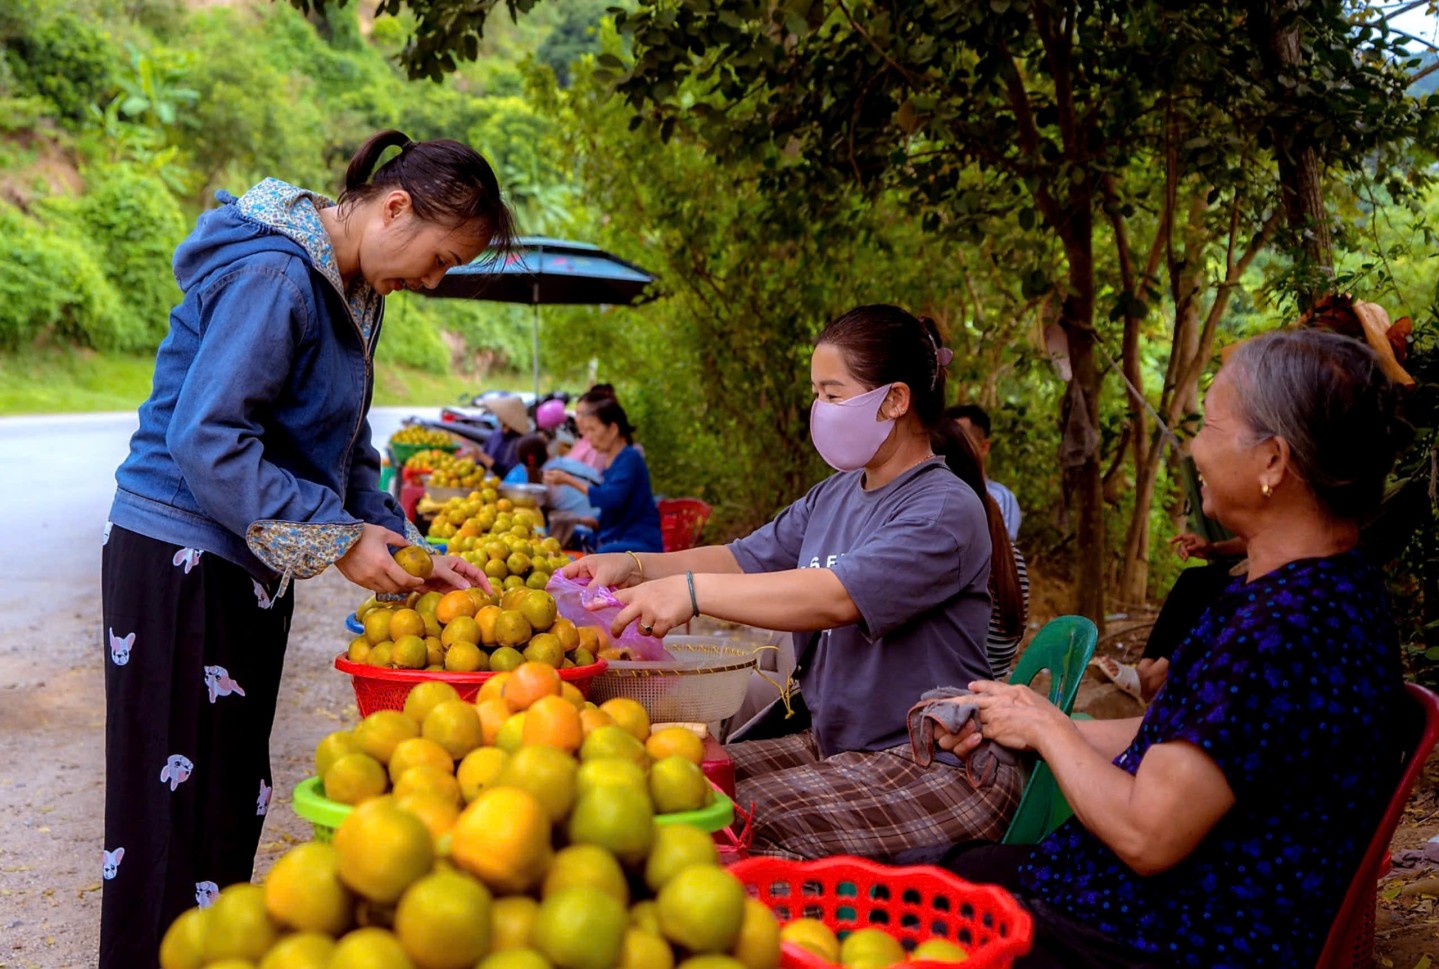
(254, 444)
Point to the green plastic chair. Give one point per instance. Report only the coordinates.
(1064, 647)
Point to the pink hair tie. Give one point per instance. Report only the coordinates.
(944, 356)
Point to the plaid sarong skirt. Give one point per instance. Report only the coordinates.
(874, 804)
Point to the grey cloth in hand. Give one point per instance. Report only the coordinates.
(982, 763)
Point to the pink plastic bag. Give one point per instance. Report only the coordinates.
(585, 606)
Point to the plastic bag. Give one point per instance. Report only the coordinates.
(574, 601)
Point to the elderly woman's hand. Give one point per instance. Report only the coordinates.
(960, 743)
(1014, 716)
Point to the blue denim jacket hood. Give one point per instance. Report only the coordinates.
(253, 444)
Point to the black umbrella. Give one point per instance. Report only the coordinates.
(540, 271)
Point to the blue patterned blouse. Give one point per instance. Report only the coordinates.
(1285, 682)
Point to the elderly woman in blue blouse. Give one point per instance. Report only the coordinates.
(1221, 829)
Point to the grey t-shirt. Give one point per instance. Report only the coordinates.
(914, 557)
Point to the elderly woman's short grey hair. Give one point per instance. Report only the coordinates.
(1327, 397)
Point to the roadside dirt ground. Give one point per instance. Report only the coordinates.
(52, 719)
(52, 763)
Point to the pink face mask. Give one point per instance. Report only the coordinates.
(846, 433)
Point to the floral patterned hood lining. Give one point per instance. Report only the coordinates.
(295, 213)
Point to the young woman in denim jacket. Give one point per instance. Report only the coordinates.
(253, 466)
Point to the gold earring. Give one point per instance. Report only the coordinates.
(1265, 490)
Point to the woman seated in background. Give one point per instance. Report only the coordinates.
(1223, 827)
(567, 506)
(531, 453)
(628, 518)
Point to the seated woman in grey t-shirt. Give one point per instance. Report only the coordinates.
(882, 573)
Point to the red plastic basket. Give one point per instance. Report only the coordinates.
(378, 688)
(733, 843)
(681, 520)
(913, 904)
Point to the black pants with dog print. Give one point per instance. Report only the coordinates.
(193, 652)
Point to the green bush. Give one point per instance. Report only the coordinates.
(66, 60)
(410, 338)
(238, 138)
(132, 223)
(22, 114)
(52, 288)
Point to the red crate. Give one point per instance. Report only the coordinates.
(379, 688)
(912, 904)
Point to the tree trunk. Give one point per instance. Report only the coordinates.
(1301, 185)
(1301, 177)
(1134, 579)
(1077, 319)
(1133, 585)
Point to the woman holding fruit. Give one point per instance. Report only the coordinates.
(252, 467)
(882, 573)
(1223, 827)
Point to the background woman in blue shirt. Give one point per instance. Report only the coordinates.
(629, 520)
(1222, 828)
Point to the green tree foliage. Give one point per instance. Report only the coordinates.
(575, 35)
(513, 135)
(155, 88)
(241, 135)
(59, 56)
(1050, 104)
(716, 373)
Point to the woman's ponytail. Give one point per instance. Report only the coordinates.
(362, 165)
(950, 442)
(449, 184)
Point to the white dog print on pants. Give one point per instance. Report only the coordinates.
(262, 597)
(188, 558)
(176, 771)
(120, 648)
(217, 680)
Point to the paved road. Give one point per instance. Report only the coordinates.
(57, 479)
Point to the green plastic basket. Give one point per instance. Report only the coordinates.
(714, 818)
(310, 804)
